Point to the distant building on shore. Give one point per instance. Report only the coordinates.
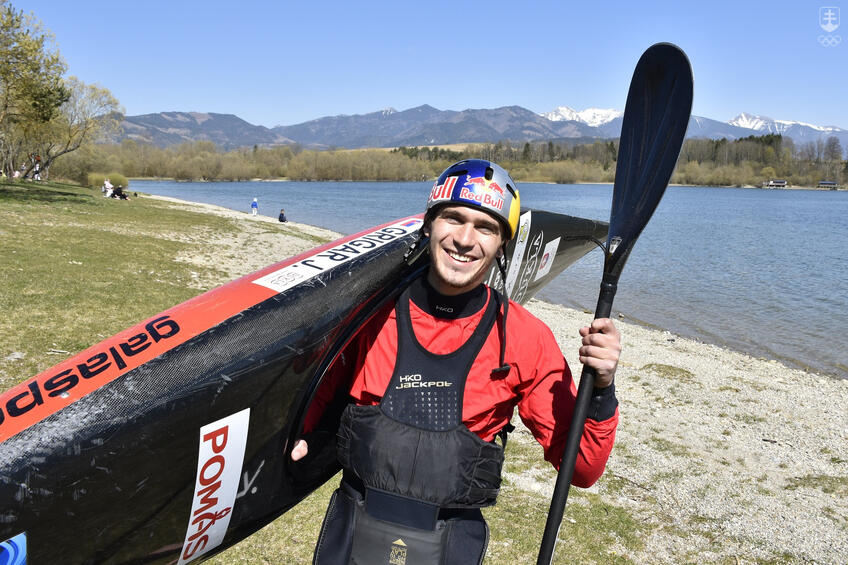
(774, 183)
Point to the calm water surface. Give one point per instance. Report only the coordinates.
(761, 271)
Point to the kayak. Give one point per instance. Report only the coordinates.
(170, 441)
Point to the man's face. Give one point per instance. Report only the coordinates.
(463, 244)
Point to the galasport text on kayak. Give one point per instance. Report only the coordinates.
(120, 355)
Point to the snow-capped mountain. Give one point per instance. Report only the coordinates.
(750, 121)
(590, 116)
(608, 124)
(764, 123)
(713, 129)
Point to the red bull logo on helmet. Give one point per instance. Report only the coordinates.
(492, 185)
(484, 192)
(443, 191)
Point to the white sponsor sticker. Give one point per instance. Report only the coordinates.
(219, 462)
(522, 235)
(305, 269)
(547, 258)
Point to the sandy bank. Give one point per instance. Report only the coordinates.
(721, 455)
(258, 242)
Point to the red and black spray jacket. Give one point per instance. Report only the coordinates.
(539, 381)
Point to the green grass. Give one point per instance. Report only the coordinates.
(665, 446)
(671, 372)
(826, 483)
(77, 268)
(593, 531)
(749, 418)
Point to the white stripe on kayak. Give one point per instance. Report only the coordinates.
(306, 269)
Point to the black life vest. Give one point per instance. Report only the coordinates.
(414, 444)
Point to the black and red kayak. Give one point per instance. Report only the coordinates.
(169, 441)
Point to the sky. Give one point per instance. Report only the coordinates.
(286, 62)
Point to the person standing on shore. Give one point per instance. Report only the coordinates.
(254, 207)
(36, 175)
(282, 217)
(434, 379)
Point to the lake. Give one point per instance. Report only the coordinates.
(759, 271)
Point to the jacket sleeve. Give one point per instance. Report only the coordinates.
(547, 398)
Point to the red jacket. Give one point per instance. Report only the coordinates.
(539, 380)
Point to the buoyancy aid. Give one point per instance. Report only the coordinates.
(413, 471)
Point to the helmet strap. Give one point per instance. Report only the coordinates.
(502, 371)
(417, 248)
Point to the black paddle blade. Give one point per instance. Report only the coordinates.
(655, 118)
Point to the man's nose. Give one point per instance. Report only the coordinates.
(464, 234)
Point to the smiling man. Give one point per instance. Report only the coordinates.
(464, 243)
(434, 381)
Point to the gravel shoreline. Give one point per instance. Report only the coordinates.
(747, 455)
(723, 456)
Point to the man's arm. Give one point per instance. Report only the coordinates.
(547, 406)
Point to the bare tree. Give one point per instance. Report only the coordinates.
(832, 149)
(90, 113)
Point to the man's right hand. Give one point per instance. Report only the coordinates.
(300, 450)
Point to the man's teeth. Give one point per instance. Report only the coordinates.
(458, 257)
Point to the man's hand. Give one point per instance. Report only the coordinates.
(601, 350)
(300, 450)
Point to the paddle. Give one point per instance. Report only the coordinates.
(655, 118)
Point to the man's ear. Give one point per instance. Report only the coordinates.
(500, 252)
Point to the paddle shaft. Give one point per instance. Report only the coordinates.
(609, 285)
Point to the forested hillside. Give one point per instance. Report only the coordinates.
(744, 162)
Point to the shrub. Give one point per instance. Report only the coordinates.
(95, 180)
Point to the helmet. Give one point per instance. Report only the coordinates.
(479, 184)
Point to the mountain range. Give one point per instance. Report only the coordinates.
(426, 125)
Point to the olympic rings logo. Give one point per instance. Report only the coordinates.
(830, 40)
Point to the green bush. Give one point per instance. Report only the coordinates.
(95, 180)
